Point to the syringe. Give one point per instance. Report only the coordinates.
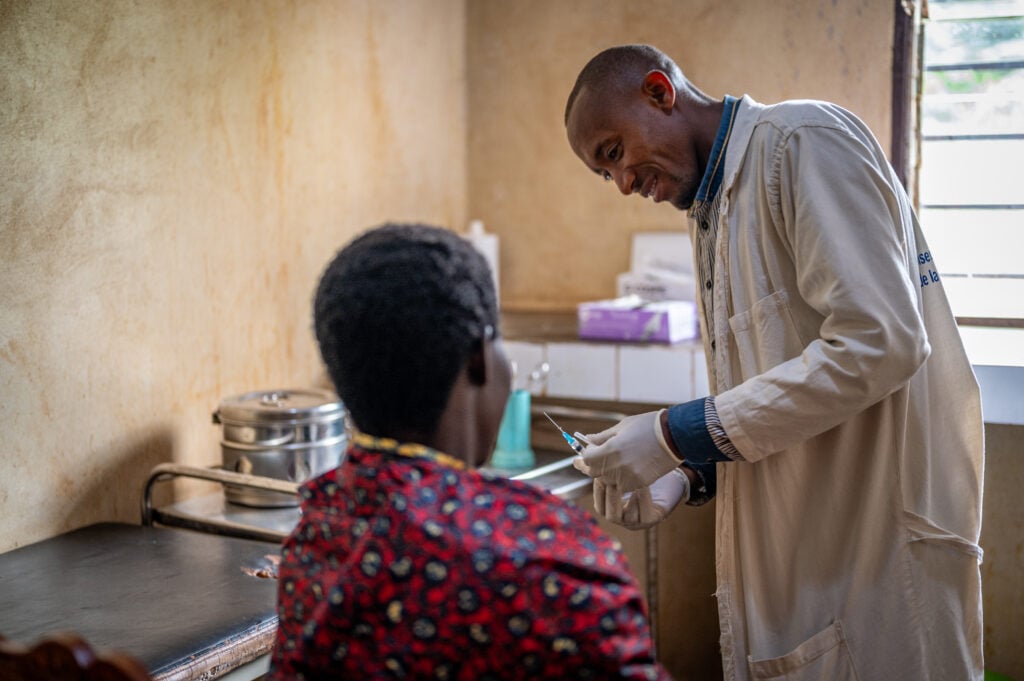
(573, 442)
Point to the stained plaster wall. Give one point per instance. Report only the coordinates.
(173, 176)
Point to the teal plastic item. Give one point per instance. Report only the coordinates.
(513, 448)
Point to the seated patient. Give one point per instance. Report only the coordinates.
(407, 562)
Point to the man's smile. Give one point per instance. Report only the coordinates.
(649, 187)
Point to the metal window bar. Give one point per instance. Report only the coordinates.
(977, 66)
(974, 206)
(968, 137)
(973, 275)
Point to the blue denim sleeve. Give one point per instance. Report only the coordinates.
(688, 426)
(707, 484)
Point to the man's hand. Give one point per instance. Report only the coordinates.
(630, 455)
(645, 507)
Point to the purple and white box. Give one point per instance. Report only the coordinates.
(631, 319)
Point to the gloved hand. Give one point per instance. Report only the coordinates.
(630, 455)
(645, 507)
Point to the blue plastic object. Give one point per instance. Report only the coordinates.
(513, 448)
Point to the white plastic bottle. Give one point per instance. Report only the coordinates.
(487, 245)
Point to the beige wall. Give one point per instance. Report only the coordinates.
(525, 182)
(1002, 539)
(173, 175)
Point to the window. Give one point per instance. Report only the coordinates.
(971, 181)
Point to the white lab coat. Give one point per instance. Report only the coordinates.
(847, 544)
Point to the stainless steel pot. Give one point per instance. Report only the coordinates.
(287, 434)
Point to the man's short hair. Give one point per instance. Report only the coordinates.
(617, 66)
(397, 313)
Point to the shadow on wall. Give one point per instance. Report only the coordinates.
(102, 497)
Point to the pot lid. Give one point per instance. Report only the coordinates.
(263, 406)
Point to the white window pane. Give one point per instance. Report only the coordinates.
(973, 102)
(983, 40)
(973, 115)
(939, 10)
(972, 172)
(984, 297)
(975, 241)
(993, 346)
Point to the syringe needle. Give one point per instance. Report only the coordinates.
(576, 446)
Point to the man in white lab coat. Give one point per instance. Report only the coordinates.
(844, 439)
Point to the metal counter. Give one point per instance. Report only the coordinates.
(188, 606)
(213, 514)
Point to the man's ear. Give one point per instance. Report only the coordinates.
(476, 367)
(658, 87)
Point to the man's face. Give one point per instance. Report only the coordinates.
(628, 139)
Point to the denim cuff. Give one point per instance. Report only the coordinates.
(688, 425)
(707, 483)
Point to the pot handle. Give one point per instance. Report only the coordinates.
(167, 471)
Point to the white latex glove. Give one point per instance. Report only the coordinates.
(630, 455)
(645, 507)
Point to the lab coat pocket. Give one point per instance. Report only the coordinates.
(765, 335)
(823, 657)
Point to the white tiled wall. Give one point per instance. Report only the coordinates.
(583, 370)
(663, 374)
(528, 357)
(654, 374)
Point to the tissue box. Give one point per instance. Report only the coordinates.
(660, 285)
(630, 319)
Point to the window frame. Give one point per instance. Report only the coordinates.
(907, 137)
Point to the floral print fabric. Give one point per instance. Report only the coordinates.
(404, 566)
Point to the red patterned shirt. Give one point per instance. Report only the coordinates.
(406, 566)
